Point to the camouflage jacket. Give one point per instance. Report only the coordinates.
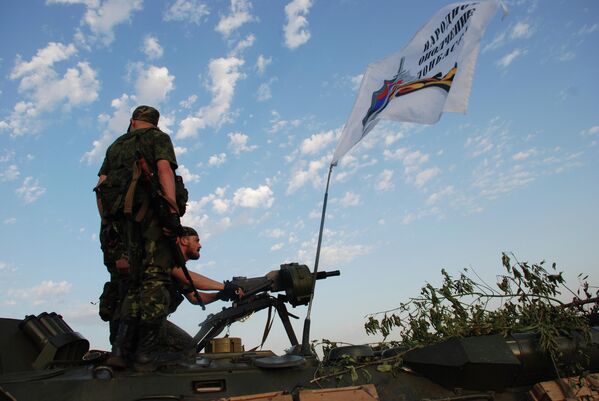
(153, 145)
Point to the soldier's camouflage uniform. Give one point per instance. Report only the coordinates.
(148, 249)
(112, 236)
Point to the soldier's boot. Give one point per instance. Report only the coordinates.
(122, 348)
(150, 354)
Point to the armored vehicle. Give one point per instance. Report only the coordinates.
(42, 358)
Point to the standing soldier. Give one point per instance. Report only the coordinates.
(137, 189)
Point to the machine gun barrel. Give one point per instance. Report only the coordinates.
(292, 278)
(323, 275)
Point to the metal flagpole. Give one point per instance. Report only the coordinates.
(306, 332)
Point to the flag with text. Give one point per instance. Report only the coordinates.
(432, 74)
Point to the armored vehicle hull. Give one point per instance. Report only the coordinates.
(43, 358)
(478, 368)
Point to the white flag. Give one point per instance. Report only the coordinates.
(432, 74)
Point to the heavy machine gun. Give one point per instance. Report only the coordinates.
(292, 278)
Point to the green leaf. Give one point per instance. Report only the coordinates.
(354, 374)
(385, 367)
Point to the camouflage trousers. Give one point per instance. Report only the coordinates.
(112, 242)
(151, 260)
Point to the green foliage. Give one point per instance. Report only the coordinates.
(525, 298)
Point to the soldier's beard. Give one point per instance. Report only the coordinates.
(191, 255)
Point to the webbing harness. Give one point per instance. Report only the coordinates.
(140, 167)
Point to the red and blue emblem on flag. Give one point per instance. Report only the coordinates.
(403, 84)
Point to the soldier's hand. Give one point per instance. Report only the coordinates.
(231, 292)
(122, 265)
(171, 225)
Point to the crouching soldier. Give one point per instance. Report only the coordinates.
(174, 343)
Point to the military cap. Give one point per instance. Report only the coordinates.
(147, 114)
(188, 232)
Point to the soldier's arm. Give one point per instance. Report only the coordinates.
(199, 281)
(166, 177)
(98, 201)
(207, 297)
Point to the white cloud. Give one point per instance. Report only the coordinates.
(522, 30)
(187, 103)
(437, 196)
(10, 220)
(7, 268)
(22, 120)
(254, 198)
(43, 60)
(497, 42)
(425, 176)
(44, 89)
(277, 247)
(153, 84)
(102, 17)
(152, 48)
(524, 154)
(187, 175)
(318, 142)
(295, 29)
(408, 218)
(509, 58)
(197, 218)
(493, 183)
(393, 137)
(262, 62)
(585, 30)
(180, 150)
(30, 190)
(38, 294)
(384, 181)
(115, 124)
(217, 159)
(565, 54)
(264, 92)
(481, 143)
(341, 253)
(238, 16)
(7, 156)
(413, 162)
(220, 205)
(189, 11)
(10, 174)
(88, 3)
(224, 74)
(312, 173)
(350, 199)
(238, 143)
(242, 45)
(594, 130)
(84, 313)
(278, 124)
(275, 233)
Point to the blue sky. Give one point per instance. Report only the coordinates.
(254, 95)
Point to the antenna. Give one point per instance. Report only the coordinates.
(306, 333)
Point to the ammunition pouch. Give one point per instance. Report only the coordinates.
(175, 298)
(109, 236)
(182, 195)
(109, 301)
